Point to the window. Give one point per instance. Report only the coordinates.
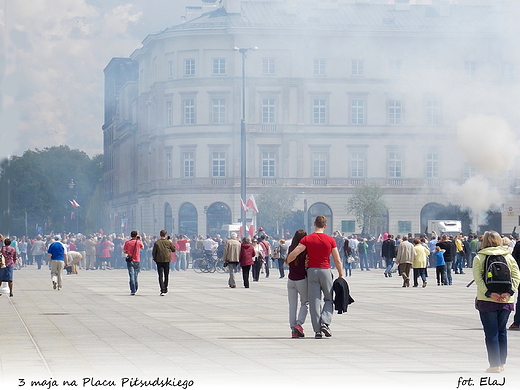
(218, 111)
(268, 164)
(268, 65)
(469, 171)
(268, 110)
(404, 226)
(189, 111)
(395, 111)
(319, 164)
(170, 69)
(432, 112)
(219, 66)
(318, 110)
(188, 164)
(395, 165)
(319, 67)
(169, 113)
(189, 67)
(357, 111)
(470, 68)
(432, 165)
(168, 165)
(348, 226)
(357, 164)
(395, 67)
(218, 164)
(357, 68)
(508, 70)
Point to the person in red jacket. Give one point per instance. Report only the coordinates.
(247, 254)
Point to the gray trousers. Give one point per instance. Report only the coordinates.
(320, 281)
(56, 270)
(231, 268)
(297, 288)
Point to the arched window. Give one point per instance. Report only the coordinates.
(188, 220)
(218, 214)
(168, 218)
(320, 209)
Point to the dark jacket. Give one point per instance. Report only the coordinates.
(342, 296)
(388, 249)
(162, 251)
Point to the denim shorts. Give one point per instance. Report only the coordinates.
(6, 274)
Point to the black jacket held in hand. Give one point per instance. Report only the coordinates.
(342, 296)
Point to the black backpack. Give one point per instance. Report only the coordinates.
(497, 275)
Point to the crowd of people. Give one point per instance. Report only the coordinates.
(308, 258)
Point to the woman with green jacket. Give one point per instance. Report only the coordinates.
(494, 307)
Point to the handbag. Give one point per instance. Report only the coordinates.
(351, 259)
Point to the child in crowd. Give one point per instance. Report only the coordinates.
(440, 265)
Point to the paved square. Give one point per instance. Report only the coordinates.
(202, 331)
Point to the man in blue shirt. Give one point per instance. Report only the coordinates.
(57, 255)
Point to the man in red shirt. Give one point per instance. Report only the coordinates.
(319, 247)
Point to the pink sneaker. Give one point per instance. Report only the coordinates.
(299, 330)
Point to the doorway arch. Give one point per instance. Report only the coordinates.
(218, 214)
(188, 220)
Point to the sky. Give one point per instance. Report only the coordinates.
(55, 52)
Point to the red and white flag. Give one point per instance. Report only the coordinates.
(74, 203)
(251, 230)
(252, 204)
(243, 205)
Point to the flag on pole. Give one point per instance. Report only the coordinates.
(252, 230)
(74, 203)
(243, 205)
(252, 204)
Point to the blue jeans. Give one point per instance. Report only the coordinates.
(133, 273)
(449, 279)
(494, 323)
(347, 267)
(389, 264)
(363, 261)
(459, 261)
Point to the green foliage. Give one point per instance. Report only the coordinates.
(367, 205)
(275, 205)
(40, 187)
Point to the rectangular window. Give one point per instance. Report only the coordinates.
(357, 111)
(319, 164)
(319, 67)
(268, 65)
(395, 111)
(219, 66)
(432, 165)
(268, 164)
(188, 164)
(268, 110)
(432, 112)
(189, 111)
(470, 68)
(169, 113)
(348, 226)
(319, 107)
(168, 165)
(218, 111)
(395, 165)
(395, 67)
(469, 171)
(404, 226)
(357, 68)
(357, 164)
(189, 67)
(219, 164)
(170, 69)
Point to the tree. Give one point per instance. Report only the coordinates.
(367, 205)
(275, 205)
(40, 193)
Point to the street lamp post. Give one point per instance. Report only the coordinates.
(243, 171)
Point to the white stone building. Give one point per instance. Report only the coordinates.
(337, 94)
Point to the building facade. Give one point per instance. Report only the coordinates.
(337, 94)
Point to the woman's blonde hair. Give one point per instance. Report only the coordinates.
(491, 239)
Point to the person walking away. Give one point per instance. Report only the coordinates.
(162, 255)
(10, 259)
(265, 252)
(495, 304)
(231, 258)
(420, 262)
(388, 253)
(405, 257)
(247, 254)
(57, 254)
(297, 287)
(279, 254)
(38, 250)
(348, 259)
(440, 266)
(319, 247)
(133, 248)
